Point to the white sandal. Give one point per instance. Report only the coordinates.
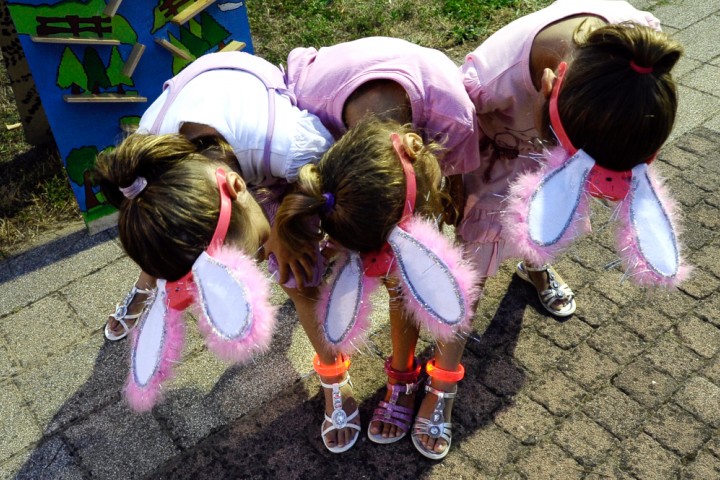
(339, 418)
(555, 292)
(121, 314)
(435, 427)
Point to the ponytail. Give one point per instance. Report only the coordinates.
(618, 101)
(358, 189)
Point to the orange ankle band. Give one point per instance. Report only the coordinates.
(444, 375)
(341, 365)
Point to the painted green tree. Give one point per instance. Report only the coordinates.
(95, 70)
(212, 31)
(71, 73)
(114, 72)
(79, 164)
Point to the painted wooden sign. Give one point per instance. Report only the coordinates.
(98, 64)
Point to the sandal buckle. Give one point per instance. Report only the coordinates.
(339, 418)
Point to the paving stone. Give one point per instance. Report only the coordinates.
(567, 334)
(617, 343)
(645, 384)
(705, 215)
(10, 468)
(701, 398)
(699, 141)
(709, 310)
(611, 468)
(645, 322)
(700, 236)
(557, 393)
(704, 466)
(525, 420)
(700, 336)
(644, 458)
(7, 363)
(537, 354)
(685, 192)
(584, 439)
(699, 179)
(714, 445)
(54, 459)
(101, 291)
(622, 294)
(677, 430)
(116, 443)
(681, 13)
(706, 256)
(85, 378)
(30, 337)
(674, 304)
(671, 357)
(596, 310)
(18, 430)
(47, 270)
(615, 411)
(502, 376)
(549, 461)
(491, 447)
(712, 372)
(679, 155)
(693, 106)
(587, 366)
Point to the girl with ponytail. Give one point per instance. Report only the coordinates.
(573, 100)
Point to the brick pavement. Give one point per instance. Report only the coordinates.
(629, 387)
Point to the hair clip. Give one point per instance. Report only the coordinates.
(234, 313)
(135, 188)
(438, 286)
(548, 209)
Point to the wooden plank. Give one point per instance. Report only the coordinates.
(112, 7)
(133, 59)
(104, 98)
(75, 40)
(178, 52)
(191, 11)
(233, 46)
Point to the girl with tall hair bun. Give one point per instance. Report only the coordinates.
(394, 80)
(591, 77)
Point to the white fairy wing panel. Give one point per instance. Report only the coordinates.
(344, 301)
(151, 338)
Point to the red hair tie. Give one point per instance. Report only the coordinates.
(640, 69)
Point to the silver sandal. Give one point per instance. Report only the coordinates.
(339, 418)
(435, 427)
(121, 314)
(556, 291)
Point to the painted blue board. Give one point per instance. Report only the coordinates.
(80, 70)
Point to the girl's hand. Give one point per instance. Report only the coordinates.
(298, 261)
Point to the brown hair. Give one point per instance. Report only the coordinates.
(366, 179)
(617, 115)
(167, 225)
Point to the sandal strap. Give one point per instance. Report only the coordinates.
(440, 393)
(423, 426)
(340, 421)
(122, 307)
(544, 268)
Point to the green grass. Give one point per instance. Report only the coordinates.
(34, 193)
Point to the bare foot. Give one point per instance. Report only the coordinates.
(338, 438)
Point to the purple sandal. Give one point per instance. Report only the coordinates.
(390, 412)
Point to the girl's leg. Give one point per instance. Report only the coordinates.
(447, 357)
(305, 306)
(404, 335)
(130, 309)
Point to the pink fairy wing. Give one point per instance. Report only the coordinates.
(547, 209)
(343, 310)
(647, 239)
(236, 318)
(439, 287)
(156, 346)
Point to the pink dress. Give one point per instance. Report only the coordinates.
(322, 80)
(497, 79)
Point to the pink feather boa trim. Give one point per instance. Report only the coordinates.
(463, 272)
(143, 398)
(636, 268)
(360, 327)
(515, 219)
(258, 338)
